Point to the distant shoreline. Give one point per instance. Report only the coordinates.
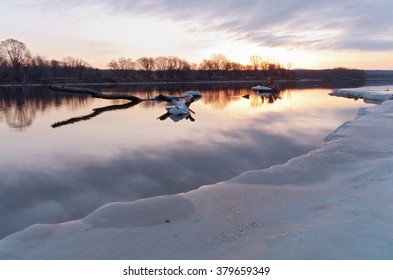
(258, 81)
(153, 83)
(193, 82)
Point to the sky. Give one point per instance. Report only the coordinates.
(300, 33)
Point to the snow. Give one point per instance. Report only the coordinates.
(193, 93)
(374, 93)
(179, 108)
(261, 88)
(335, 202)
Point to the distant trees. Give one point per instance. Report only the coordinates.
(172, 67)
(256, 61)
(39, 68)
(74, 67)
(146, 64)
(17, 64)
(219, 62)
(122, 67)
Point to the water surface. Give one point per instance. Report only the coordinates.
(125, 152)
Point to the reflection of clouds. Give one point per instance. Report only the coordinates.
(73, 186)
(47, 196)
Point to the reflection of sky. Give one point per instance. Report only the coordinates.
(51, 175)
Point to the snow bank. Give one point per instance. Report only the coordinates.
(375, 93)
(335, 202)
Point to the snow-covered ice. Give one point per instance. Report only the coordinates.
(335, 202)
(369, 94)
(259, 87)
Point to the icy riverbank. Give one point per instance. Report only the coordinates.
(332, 203)
(369, 94)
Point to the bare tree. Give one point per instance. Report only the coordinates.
(17, 56)
(3, 66)
(219, 61)
(55, 68)
(206, 64)
(122, 66)
(74, 66)
(39, 67)
(256, 61)
(162, 65)
(147, 65)
(72, 62)
(236, 66)
(15, 51)
(2, 59)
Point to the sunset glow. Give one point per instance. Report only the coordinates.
(314, 35)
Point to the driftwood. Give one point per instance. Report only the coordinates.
(133, 101)
(95, 113)
(96, 94)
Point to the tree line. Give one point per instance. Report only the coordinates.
(18, 65)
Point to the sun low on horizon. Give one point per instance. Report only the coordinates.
(296, 35)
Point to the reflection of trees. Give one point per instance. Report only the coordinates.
(257, 101)
(220, 99)
(20, 115)
(19, 106)
(96, 112)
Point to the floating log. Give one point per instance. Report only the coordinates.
(95, 94)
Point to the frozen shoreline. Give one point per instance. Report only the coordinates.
(369, 94)
(332, 203)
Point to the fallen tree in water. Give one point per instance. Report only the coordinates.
(96, 94)
(180, 105)
(95, 113)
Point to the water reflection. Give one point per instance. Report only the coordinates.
(124, 153)
(96, 112)
(178, 110)
(77, 187)
(258, 99)
(19, 106)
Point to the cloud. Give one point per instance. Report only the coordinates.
(336, 24)
(360, 25)
(357, 25)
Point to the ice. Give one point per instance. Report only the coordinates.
(374, 93)
(259, 87)
(335, 202)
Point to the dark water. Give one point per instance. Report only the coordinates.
(124, 152)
